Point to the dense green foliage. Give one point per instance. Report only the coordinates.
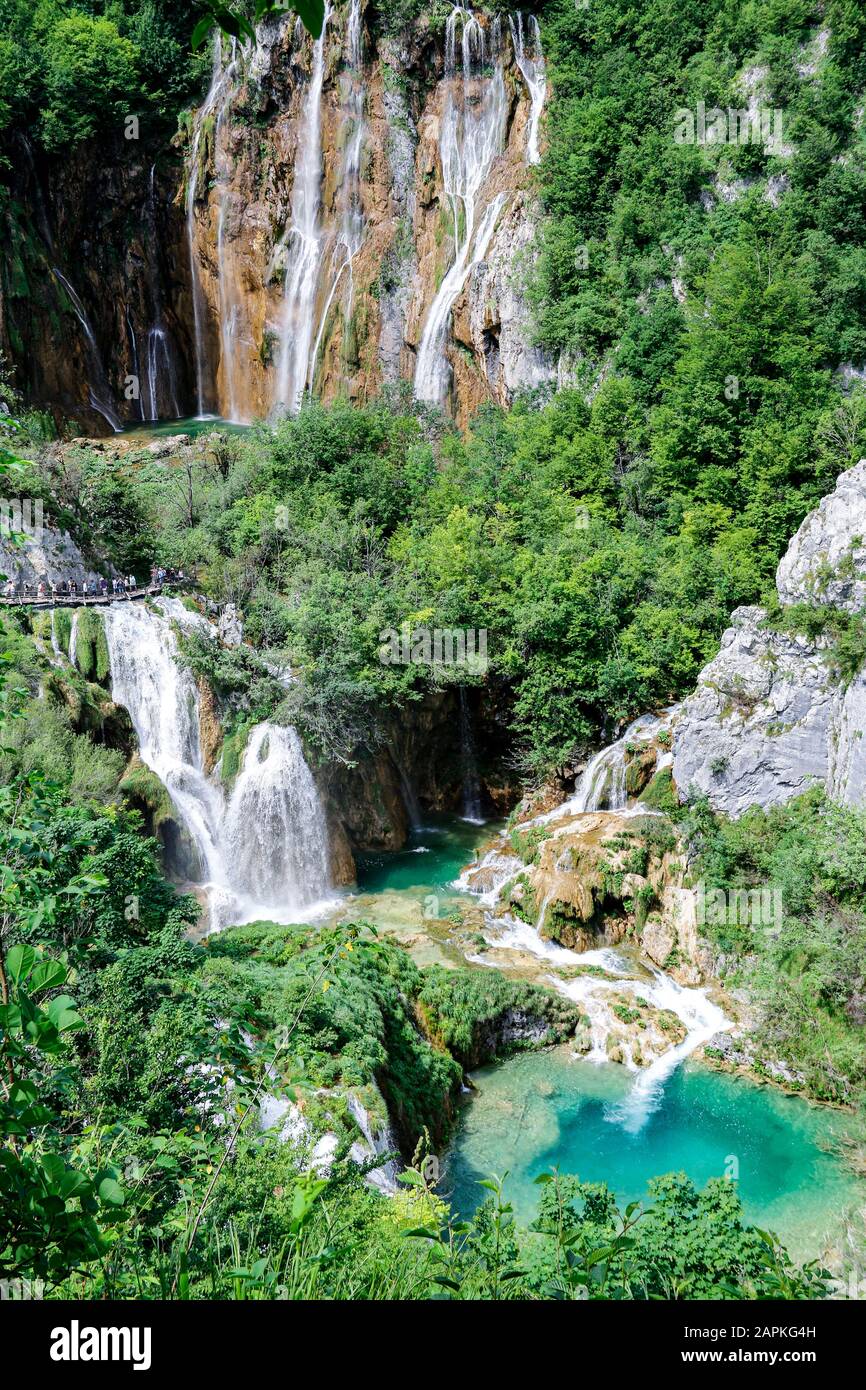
(73, 71)
(701, 298)
(806, 973)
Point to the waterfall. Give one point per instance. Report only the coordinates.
(159, 350)
(602, 782)
(97, 377)
(352, 130)
(534, 73)
(701, 1019)
(301, 246)
(55, 644)
(275, 834)
(469, 764)
(133, 345)
(264, 853)
(161, 375)
(471, 136)
(698, 1014)
(218, 96)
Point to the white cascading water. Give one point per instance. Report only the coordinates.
(472, 133)
(603, 781)
(301, 244)
(275, 834)
(217, 99)
(98, 388)
(133, 347)
(700, 1017)
(526, 37)
(230, 305)
(55, 644)
(350, 232)
(264, 852)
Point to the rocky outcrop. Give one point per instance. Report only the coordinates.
(826, 560)
(48, 554)
(771, 715)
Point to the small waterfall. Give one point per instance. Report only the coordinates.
(603, 781)
(97, 378)
(133, 347)
(55, 644)
(73, 638)
(352, 131)
(487, 878)
(265, 853)
(275, 833)
(530, 61)
(471, 136)
(301, 246)
(701, 1019)
(161, 374)
(410, 798)
(373, 1145)
(159, 358)
(469, 764)
(210, 113)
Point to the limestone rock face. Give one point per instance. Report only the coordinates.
(230, 627)
(47, 555)
(498, 312)
(826, 560)
(757, 729)
(769, 717)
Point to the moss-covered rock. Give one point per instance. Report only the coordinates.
(91, 647)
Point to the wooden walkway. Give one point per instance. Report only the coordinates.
(84, 600)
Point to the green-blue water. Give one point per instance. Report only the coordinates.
(192, 424)
(544, 1109)
(432, 859)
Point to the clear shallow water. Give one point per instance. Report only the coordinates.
(548, 1109)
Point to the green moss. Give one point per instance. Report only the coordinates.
(63, 628)
(660, 793)
(141, 786)
(234, 746)
(91, 648)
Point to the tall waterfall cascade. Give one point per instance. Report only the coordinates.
(526, 37)
(350, 232)
(262, 850)
(302, 245)
(471, 136)
(285, 248)
(210, 113)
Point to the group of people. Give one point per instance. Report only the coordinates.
(68, 588)
(89, 588)
(160, 576)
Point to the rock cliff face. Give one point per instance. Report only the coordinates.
(771, 714)
(46, 555)
(335, 216)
